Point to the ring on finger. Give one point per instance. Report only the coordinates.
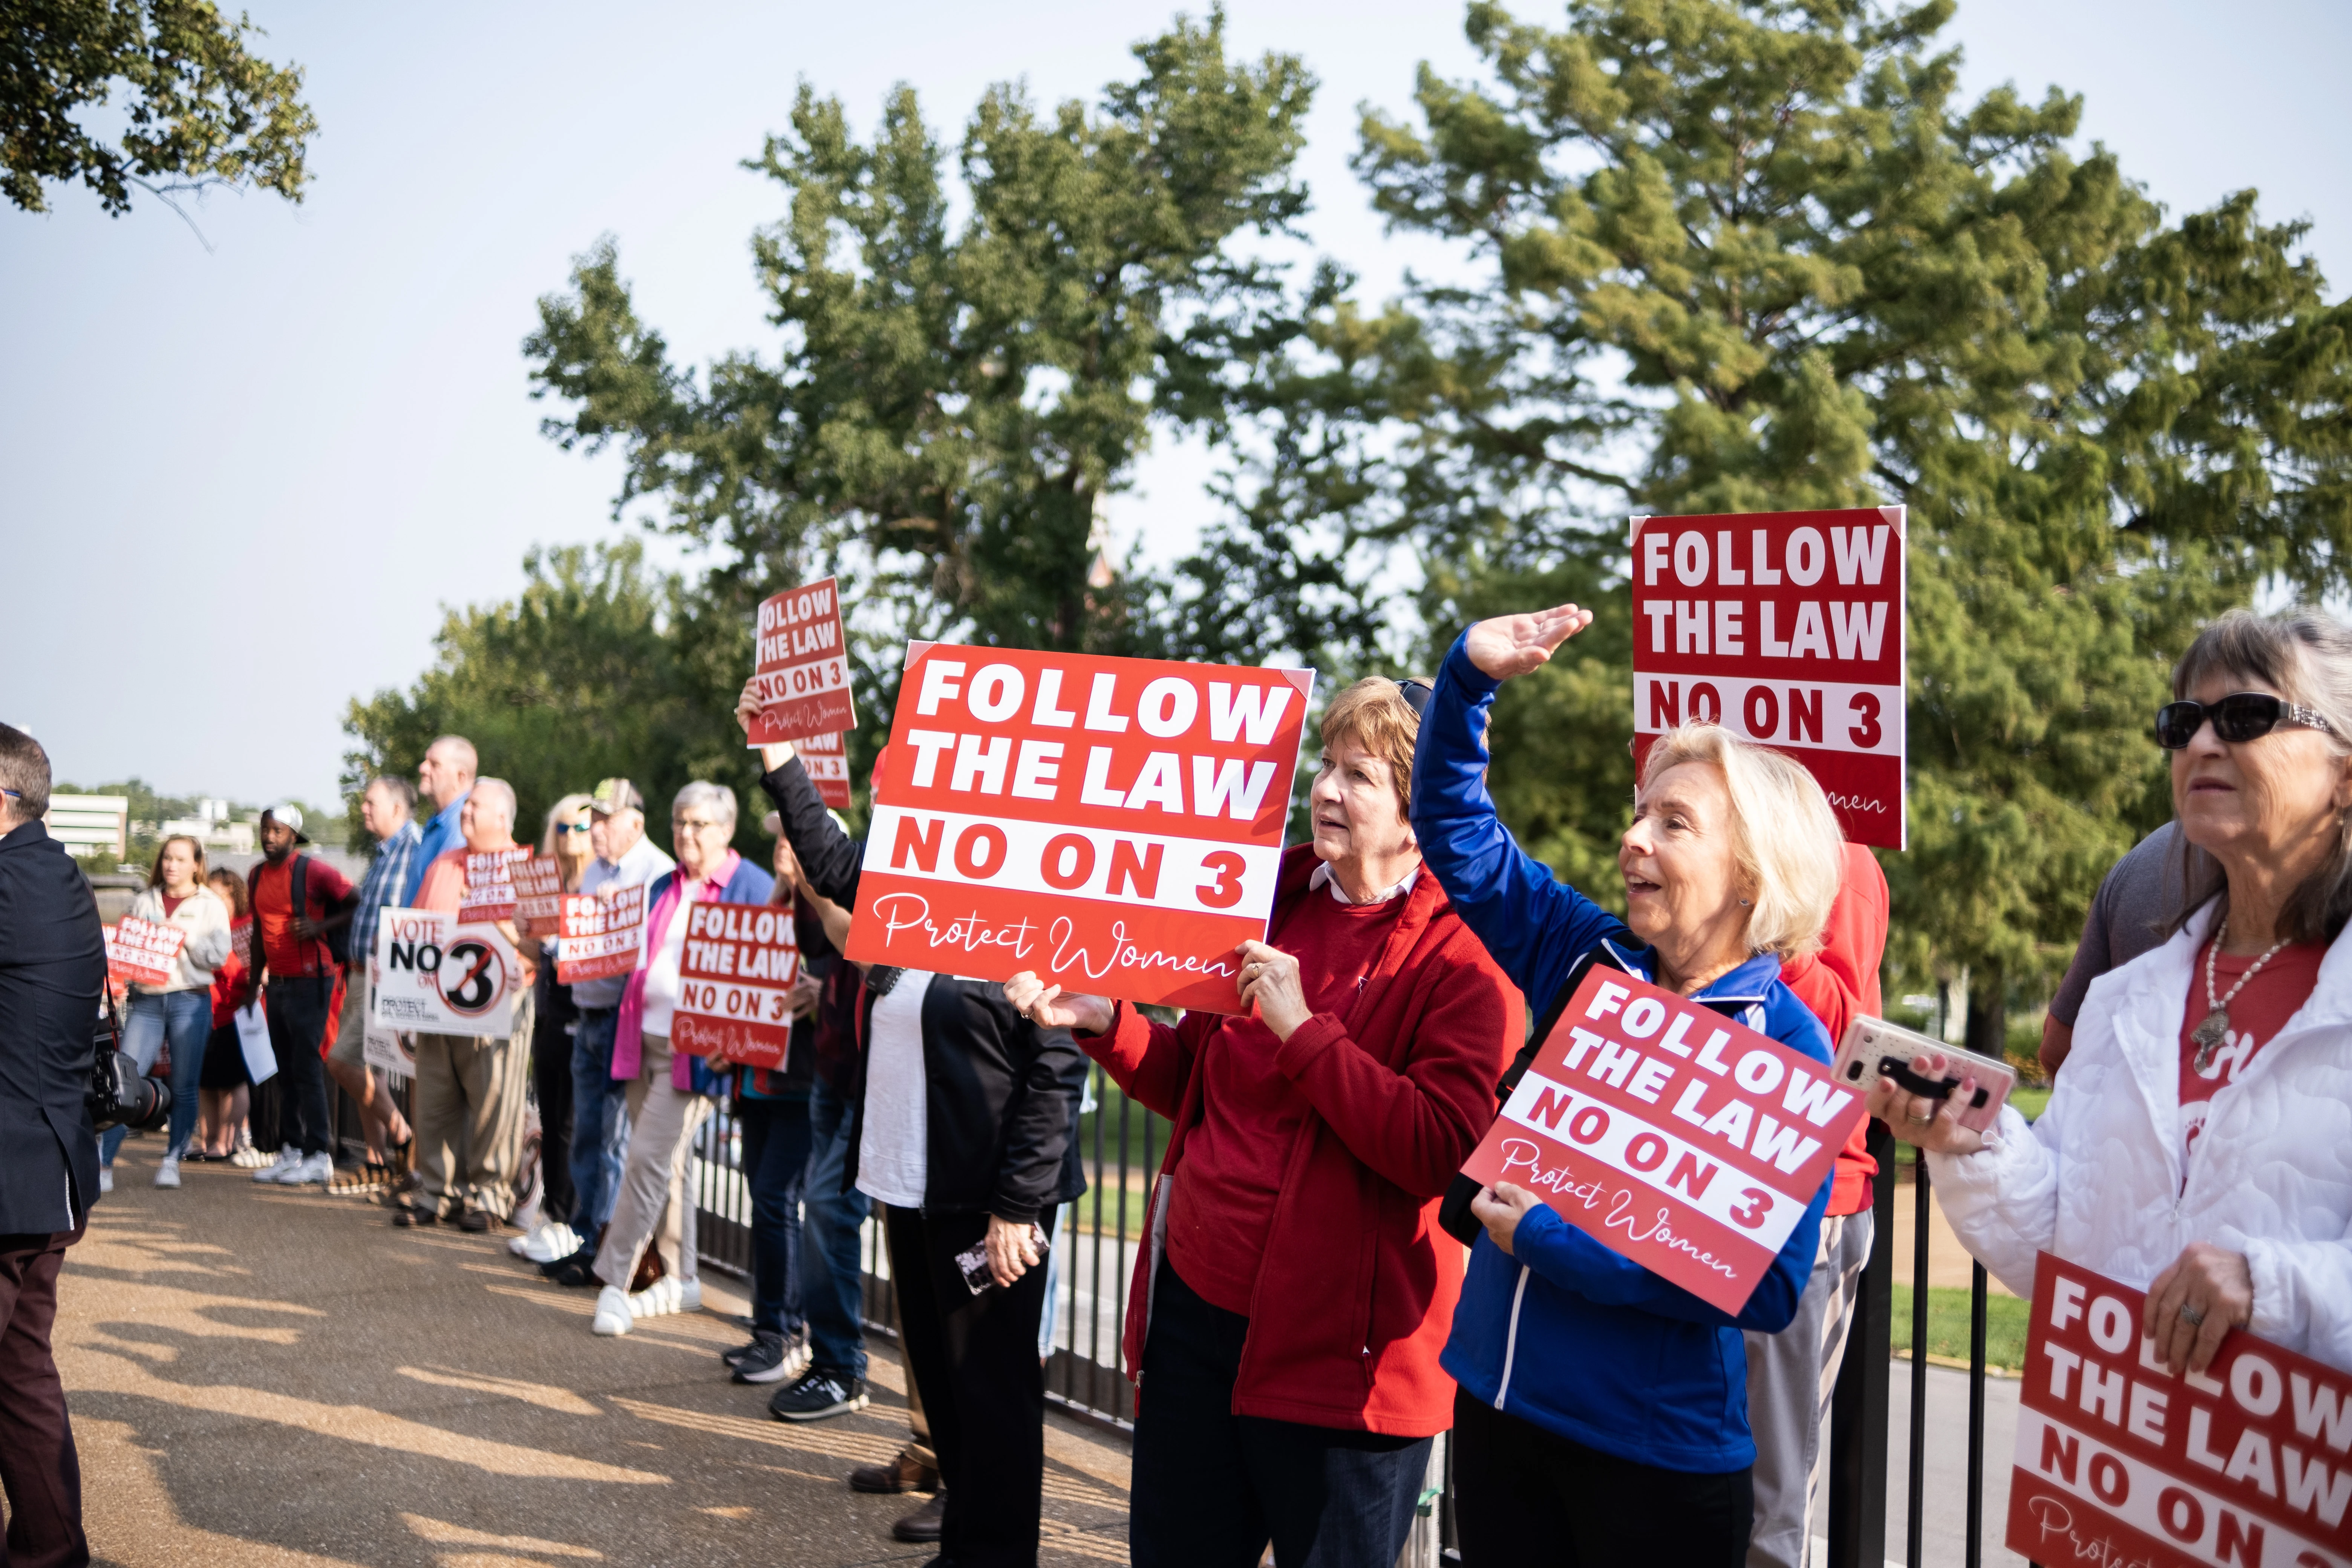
(2193, 1316)
(1918, 1119)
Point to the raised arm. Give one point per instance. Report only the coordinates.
(1535, 926)
(829, 857)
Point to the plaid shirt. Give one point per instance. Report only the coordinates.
(382, 885)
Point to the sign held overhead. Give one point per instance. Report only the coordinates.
(802, 666)
(1113, 824)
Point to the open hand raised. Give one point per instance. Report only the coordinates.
(1506, 645)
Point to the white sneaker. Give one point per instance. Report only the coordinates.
(317, 1169)
(661, 1298)
(690, 1295)
(279, 1168)
(167, 1174)
(244, 1156)
(106, 1178)
(548, 1241)
(613, 1319)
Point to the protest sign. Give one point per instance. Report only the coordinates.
(387, 1050)
(801, 666)
(1788, 628)
(2119, 1461)
(735, 982)
(601, 934)
(827, 762)
(1670, 1134)
(538, 892)
(1113, 824)
(489, 892)
(143, 953)
(436, 974)
(252, 1043)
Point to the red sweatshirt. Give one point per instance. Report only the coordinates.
(1839, 982)
(1397, 1081)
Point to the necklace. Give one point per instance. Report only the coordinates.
(2210, 1034)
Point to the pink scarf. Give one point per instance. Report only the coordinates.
(629, 1033)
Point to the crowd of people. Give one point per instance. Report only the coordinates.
(1302, 1322)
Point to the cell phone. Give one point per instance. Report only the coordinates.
(1874, 1048)
(973, 1261)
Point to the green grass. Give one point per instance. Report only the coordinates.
(1947, 1325)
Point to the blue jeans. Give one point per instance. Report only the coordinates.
(186, 1018)
(600, 1123)
(775, 1167)
(833, 1289)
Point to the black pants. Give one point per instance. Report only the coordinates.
(775, 1170)
(39, 1468)
(298, 1008)
(1211, 1488)
(975, 1359)
(551, 1081)
(1525, 1497)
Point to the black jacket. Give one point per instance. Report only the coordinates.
(52, 973)
(1001, 1095)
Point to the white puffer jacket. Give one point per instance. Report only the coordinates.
(2097, 1180)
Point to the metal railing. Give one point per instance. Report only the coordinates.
(1097, 1238)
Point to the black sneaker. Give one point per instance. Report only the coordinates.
(555, 1266)
(773, 1358)
(740, 1352)
(819, 1392)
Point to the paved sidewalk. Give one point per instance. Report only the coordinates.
(280, 1379)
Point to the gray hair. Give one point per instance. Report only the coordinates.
(2305, 656)
(716, 796)
(461, 751)
(25, 772)
(1789, 848)
(399, 788)
(497, 789)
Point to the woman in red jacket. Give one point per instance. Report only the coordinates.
(1286, 1316)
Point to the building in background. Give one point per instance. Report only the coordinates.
(213, 827)
(90, 824)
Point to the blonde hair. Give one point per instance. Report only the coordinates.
(563, 810)
(1788, 844)
(1374, 714)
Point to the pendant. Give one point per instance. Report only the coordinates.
(2209, 1035)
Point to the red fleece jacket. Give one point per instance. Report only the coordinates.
(1839, 982)
(1355, 1296)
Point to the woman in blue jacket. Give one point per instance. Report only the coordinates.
(1602, 1413)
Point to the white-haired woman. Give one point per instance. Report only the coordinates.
(1603, 1414)
(669, 1095)
(2200, 1142)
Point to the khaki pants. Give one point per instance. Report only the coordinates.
(471, 1097)
(656, 1204)
(1791, 1377)
(350, 1048)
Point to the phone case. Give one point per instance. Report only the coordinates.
(1875, 1048)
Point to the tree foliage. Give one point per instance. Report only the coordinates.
(599, 668)
(947, 400)
(1752, 254)
(199, 108)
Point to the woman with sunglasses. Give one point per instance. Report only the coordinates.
(2200, 1142)
(568, 840)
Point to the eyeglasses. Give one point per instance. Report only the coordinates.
(11, 794)
(689, 824)
(2239, 717)
(572, 827)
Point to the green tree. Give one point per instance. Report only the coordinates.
(598, 668)
(1756, 254)
(201, 110)
(948, 401)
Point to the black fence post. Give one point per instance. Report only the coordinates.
(1857, 1516)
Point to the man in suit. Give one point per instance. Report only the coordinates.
(52, 970)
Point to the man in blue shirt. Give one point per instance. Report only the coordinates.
(445, 778)
(387, 808)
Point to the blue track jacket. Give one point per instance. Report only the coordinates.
(1568, 1335)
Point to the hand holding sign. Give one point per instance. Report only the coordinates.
(1508, 645)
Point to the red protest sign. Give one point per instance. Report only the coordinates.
(1788, 628)
(827, 762)
(2119, 1461)
(803, 668)
(1668, 1133)
(143, 953)
(601, 934)
(489, 892)
(1113, 824)
(735, 981)
(538, 889)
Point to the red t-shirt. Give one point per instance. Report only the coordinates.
(172, 905)
(323, 887)
(1231, 1174)
(2256, 1016)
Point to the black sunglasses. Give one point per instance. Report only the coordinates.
(2241, 716)
(1416, 694)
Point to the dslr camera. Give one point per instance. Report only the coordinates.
(120, 1095)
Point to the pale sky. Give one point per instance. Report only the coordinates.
(241, 486)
